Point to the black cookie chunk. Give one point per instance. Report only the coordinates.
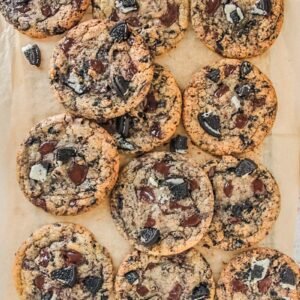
(32, 54)
(123, 124)
(149, 236)
(179, 144)
(67, 276)
(178, 187)
(132, 277)
(200, 292)
(127, 6)
(120, 32)
(210, 123)
(213, 75)
(246, 166)
(120, 85)
(287, 276)
(93, 284)
(245, 69)
(65, 154)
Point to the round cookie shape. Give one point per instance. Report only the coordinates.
(42, 18)
(237, 29)
(247, 203)
(229, 107)
(154, 121)
(63, 261)
(161, 23)
(67, 165)
(260, 273)
(184, 276)
(101, 70)
(162, 203)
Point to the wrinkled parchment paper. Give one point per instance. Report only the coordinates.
(25, 98)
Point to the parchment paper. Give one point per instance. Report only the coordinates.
(25, 98)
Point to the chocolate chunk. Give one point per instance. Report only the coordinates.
(149, 236)
(132, 277)
(258, 187)
(142, 290)
(194, 185)
(121, 86)
(39, 281)
(179, 144)
(176, 292)
(239, 286)
(210, 124)
(264, 285)
(245, 69)
(47, 296)
(44, 257)
(32, 54)
(146, 193)
(201, 292)
(67, 276)
(191, 221)
(162, 168)
(93, 284)
(176, 205)
(265, 6)
(213, 75)
(120, 32)
(127, 6)
(246, 166)
(150, 222)
(211, 172)
(133, 21)
(178, 187)
(171, 15)
(65, 154)
(47, 147)
(73, 257)
(47, 11)
(114, 16)
(287, 276)
(229, 69)
(97, 66)
(222, 90)
(123, 125)
(40, 203)
(228, 188)
(155, 130)
(241, 121)
(77, 173)
(243, 90)
(212, 6)
(150, 104)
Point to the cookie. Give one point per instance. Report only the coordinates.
(161, 23)
(67, 165)
(237, 29)
(229, 107)
(162, 203)
(260, 273)
(40, 18)
(247, 203)
(101, 70)
(154, 121)
(185, 276)
(63, 261)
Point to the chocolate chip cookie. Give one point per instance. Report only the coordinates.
(247, 203)
(229, 107)
(154, 121)
(67, 165)
(101, 70)
(260, 273)
(185, 276)
(161, 23)
(239, 28)
(162, 203)
(42, 18)
(63, 261)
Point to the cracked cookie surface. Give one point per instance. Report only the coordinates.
(161, 23)
(260, 273)
(63, 261)
(184, 276)
(101, 70)
(240, 28)
(247, 203)
(42, 18)
(154, 121)
(67, 165)
(229, 107)
(162, 203)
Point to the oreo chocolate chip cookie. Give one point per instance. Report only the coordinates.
(67, 165)
(154, 121)
(229, 107)
(185, 276)
(260, 273)
(63, 261)
(237, 29)
(162, 203)
(161, 23)
(247, 203)
(42, 18)
(101, 70)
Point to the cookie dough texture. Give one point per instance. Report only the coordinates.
(185, 276)
(260, 273)
(229, 107)
(100, 70)
(63, 261)
(247, 203)
(154, 121)
(162, 203)
(161, 23)
(237, 29)
(67, 165)
(40, 18)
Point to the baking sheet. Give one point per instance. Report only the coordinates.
(25, 98)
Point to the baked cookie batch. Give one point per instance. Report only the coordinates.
(119, 101)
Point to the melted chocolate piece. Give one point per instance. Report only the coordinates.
(222, 90)
(212, 6)
(120, 32)
(93, 284)
(239, 286)
(171, 15)
(77, 173)
(258, 187)
(40, 203)
(151, 103)
(210, 124)
(201, 292)
(146, 193)
(150, 222)
(246, 166)
(142, 290)
(229, 69)
(67, 276)
(133, 21)
(155, 130)
(175, 292)
(47, 147)
(162, 168)
(132, 277)
(191, 221)
(47, 11)
(67, 45)
(228, 189)
(73, 257)
(97, 66)
(149, 236)
(39, 281)
(44, 257)
(241, 121)
(264, 285)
